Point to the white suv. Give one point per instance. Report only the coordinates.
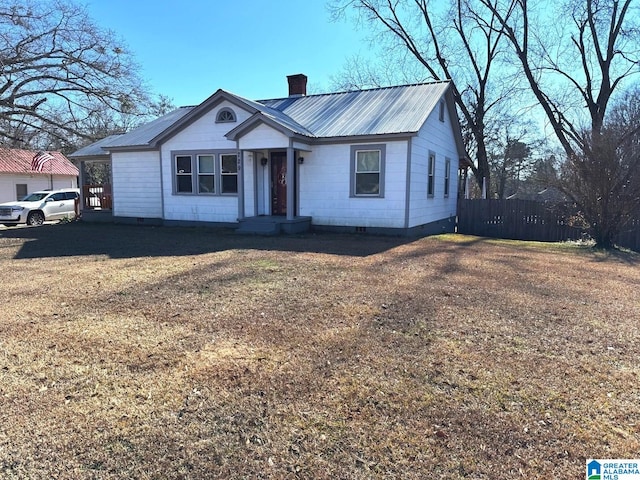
(40, 206)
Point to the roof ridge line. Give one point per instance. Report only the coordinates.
(387, 87)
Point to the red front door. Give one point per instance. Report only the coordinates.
(279, 183)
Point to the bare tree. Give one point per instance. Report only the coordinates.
(543, 174)
(102, 123)
(510, 164)
(358, 73)
(462, 44)
(574, 74)
(604, 178)
(590, 57)
(58, 70)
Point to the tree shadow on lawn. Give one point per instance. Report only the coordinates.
(131, 241)
(628, 257)
(265, 384)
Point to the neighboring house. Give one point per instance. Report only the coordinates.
(20, 175)
(548, 195)
(382, 160)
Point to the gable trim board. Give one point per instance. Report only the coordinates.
(324, 130)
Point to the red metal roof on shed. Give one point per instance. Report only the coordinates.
(19, 161)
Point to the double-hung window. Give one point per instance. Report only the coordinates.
(205, 173)
(184, 176)
(229, 173)
(367, 170)
(431, 174)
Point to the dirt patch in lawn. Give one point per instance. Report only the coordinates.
(138, 352)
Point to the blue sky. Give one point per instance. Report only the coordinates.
(188, 49)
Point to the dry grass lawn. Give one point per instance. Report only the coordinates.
(152, 353)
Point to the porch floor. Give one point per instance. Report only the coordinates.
(273, 225)
(97, 216)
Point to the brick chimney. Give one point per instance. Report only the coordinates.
(297, 84)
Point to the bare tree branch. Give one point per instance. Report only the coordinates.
(461, 45)
(54, 63)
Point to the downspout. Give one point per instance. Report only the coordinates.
(161, 187)
(407, 197)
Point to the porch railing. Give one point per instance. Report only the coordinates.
(97, 197)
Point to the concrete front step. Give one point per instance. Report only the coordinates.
(258, 228)
(268, 225)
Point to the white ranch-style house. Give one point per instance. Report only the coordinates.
(382, 160)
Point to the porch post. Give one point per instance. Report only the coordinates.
(240, 185)
(82, 179)
(291, 191)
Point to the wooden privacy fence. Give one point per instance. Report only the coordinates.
(518, 220)
(630, 236)
(530, 220)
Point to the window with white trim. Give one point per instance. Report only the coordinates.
(367, 170)
(205, 173)
(431, 174)
(447, 175)
(441, 111)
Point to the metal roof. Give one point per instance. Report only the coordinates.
(18, 161)
(95, 149)
(378, 111)
(389, 110)
(142, 136)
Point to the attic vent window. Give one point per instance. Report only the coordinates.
(226, 115)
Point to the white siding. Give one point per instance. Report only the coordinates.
(194, 208)
(203, 134)
(144, 184)
(437, 137)
(324, 188)
(263, 136)
(136, 185)
(34, 183)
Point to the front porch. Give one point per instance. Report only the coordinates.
(95, 188)
(273, 225)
